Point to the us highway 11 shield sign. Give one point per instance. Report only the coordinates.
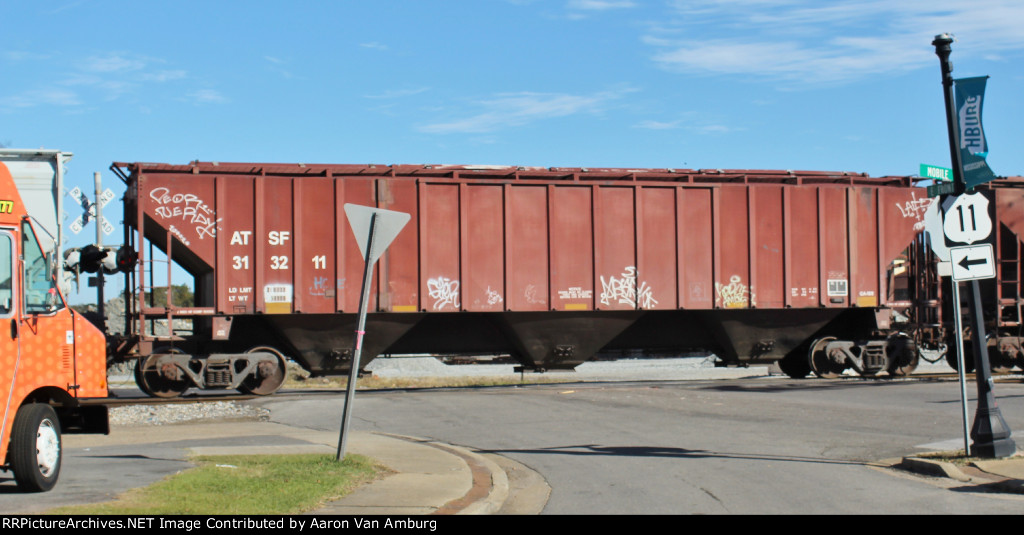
(966, 220)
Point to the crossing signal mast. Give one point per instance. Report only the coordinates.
(96, 258)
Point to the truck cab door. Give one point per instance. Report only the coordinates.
(46, 330)
(9, 351)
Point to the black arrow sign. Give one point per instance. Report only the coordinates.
(966, 263)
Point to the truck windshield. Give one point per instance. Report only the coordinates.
(40, 291)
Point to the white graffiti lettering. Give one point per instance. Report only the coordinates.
(735, 294)
(493, 297)
(444, 291)
(625, 291)
(916, 208)
(187, 207)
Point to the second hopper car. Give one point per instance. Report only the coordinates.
(548, 265)
(929, 285)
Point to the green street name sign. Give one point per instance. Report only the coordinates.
(936, 173)
(941, 188)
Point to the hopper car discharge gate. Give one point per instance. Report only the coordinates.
(548, 265)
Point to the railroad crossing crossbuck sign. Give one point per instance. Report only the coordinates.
(965, 222)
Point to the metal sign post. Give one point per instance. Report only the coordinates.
(990, 433)
(374, 229)
(960, 368)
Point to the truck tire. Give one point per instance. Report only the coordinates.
(36, 447)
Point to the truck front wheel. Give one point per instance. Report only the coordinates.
(36, 447)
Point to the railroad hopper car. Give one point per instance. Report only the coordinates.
(930, 292)
(548, 265)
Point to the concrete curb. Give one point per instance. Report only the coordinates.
(488, 478)
(986, 476)
(471, 485)
(931, 467)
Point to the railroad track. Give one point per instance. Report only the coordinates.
(144, 400)
(1013, 377)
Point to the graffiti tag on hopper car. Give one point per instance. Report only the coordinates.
(187, 207)
(735, 294)
(444, 291)
(916, 208)
(625, 291)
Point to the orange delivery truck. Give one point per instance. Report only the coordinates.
(51, 357)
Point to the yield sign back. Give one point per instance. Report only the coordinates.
(386, 226)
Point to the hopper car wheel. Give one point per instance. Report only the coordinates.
(795, 364)
(822, 365)
(905, 357)
(269, 374)
(999, 361)
(35, 451)
(160, 379)
(951, 357)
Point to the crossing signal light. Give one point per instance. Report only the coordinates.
(93, 259)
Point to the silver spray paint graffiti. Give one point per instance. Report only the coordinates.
(493, 297)
(624, 290)
(188, 207)
(916, 209)
(444, 291)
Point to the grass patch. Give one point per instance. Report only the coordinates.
(955, 457)
(243, 484)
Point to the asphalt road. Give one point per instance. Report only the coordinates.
(762, 445)
(747, 443)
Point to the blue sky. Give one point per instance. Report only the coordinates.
(765, 84)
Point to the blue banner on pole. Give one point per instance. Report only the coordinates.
(970, 93)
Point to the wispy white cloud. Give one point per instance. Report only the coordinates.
(163, 76)
(517, 109)
(279, 65)
(658, 125)
(42, 97)
(583, 9)
(374, 45)
(206, 96)
(111, 63)
(398, 93)
(66, 7)
(20, 55)
(806, 41)
(99, 77)
(600, 5)
(689, 124)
